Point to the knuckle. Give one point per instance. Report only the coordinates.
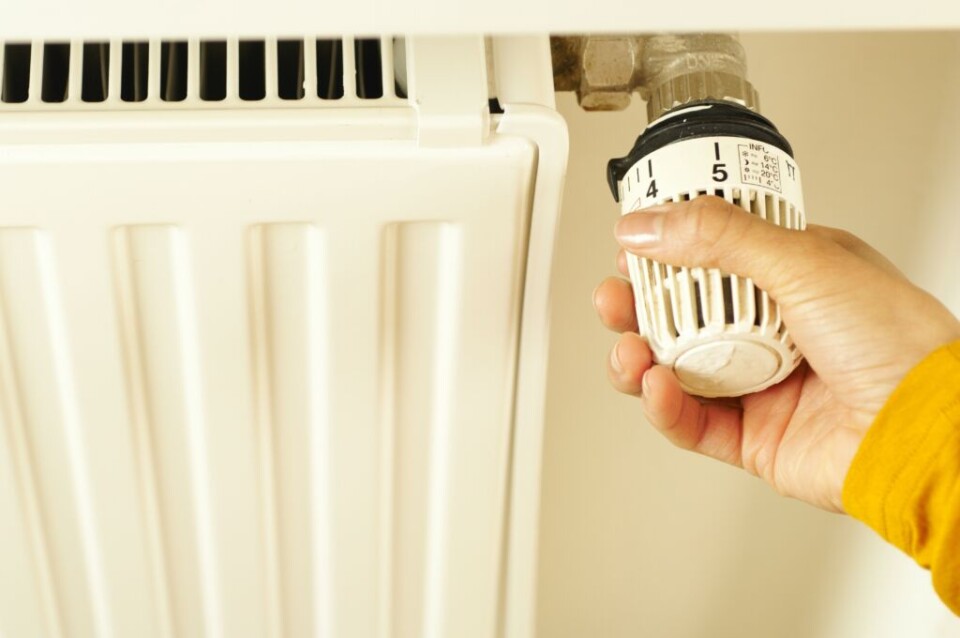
(843, 238)
(846, 238)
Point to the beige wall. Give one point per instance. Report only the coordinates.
(639, 539)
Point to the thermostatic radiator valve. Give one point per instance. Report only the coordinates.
(722, 335)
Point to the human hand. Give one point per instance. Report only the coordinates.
(859, 322)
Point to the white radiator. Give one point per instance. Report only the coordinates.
(273, 345)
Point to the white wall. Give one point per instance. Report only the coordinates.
(639, 539)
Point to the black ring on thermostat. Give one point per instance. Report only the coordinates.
(719, 119)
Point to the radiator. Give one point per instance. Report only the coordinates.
(273, 327)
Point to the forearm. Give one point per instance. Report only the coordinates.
(905, 479)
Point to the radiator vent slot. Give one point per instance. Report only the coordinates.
(329, 69)
(16, 73)
(253, 60)
(56, 72)
(96, 72)
(213, 71)
(134, 70)
(290, 69)
(369, 70)
(210, 73)
(173, 71)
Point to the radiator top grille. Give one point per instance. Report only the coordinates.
(210, 73)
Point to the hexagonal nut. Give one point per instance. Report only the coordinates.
(604, 100)
(609, 61)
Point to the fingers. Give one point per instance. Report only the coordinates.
(710, 429)
(613, 299)
(710, 232)
(707, 428)
(846, 240)
(629, 361)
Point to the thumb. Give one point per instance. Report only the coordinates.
(710, 232)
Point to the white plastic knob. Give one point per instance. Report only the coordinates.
(722, 335)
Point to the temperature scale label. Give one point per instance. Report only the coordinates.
(727, 166)
(759, 166)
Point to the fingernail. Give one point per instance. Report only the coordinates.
(639, 230)
(615, 359)
(645, 383)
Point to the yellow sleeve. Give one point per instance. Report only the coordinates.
(905, 478)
